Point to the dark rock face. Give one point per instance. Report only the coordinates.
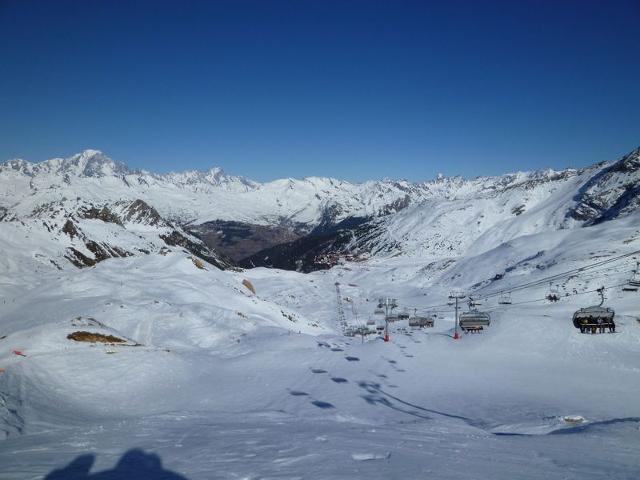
(610, 193)
(321, 249)
(141, 212)
(241, 240)
(396, 206)
(177, 239)
(101, 251)
(70, 229)
(104, 214)
(136, 212)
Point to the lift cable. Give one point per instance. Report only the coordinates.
(499, 307)
(542, 281)
(558, 276)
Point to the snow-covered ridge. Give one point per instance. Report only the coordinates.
(89, 163)
(69, 232)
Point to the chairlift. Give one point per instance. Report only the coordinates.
(595, 319)
(474, 321)
(634, 282)
(474, 303)
(418, 321)
(553, 295)
(505, 298)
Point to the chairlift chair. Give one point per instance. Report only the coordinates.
(474, 303)
(553, 295)
(474, 321)
(634, 281)
(505, 298)
(595, 319)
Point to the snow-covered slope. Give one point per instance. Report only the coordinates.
(540, 203)
(212, 378)
(247, 374)
(470, 217)
(73, 231)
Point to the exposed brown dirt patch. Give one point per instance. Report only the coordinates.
(249, 285)
(93, 337)
(198, 263)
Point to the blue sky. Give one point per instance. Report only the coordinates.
(349, 89)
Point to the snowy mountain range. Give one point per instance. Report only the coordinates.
(90, 207)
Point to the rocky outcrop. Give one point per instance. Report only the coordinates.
(611, 193)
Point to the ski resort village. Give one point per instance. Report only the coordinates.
(200, 325)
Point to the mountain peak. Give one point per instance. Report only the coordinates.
(203, 180)
(92, 163)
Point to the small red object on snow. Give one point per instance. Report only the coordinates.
(386, 338)
(456, 336)
(18, 352)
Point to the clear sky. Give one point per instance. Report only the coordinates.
(349, 89)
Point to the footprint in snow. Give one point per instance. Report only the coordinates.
(323, 405)
(352, 359)
(318, 370)
(339, 380)
(337, 350)
(298, 393)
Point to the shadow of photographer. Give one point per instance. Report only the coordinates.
(134, 464)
